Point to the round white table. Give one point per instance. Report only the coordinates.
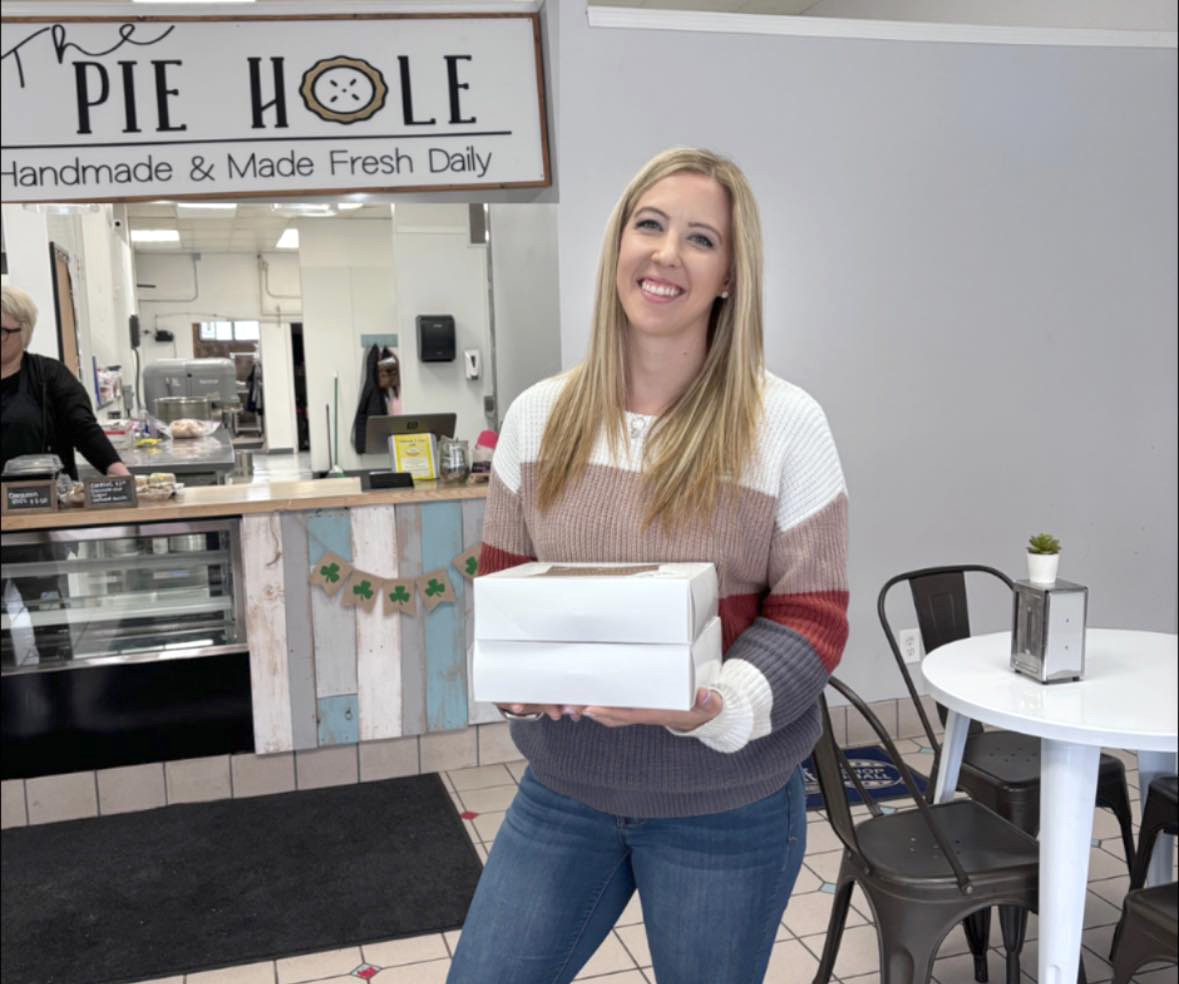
(1127, 699)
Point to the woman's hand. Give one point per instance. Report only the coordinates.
(118, 468)
(708, 705)
(551, 710)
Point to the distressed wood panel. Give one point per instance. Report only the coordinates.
(338, 719)
(266, 628)
(478, 712)
(413, 631)
(446, 658)
(300, 660)
(333, 628)
(378, 636)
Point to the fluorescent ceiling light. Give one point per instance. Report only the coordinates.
(308, 210)
(349, 206)
(208, 206)
(155, 236)
(192, 1)
(289, 239)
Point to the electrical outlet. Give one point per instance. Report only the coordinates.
(910, 643)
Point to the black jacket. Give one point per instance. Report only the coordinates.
(67, 418)
(372, 398)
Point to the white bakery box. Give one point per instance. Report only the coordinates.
(610, 635)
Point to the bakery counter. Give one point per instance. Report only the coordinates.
(241, 500)
(352, 608)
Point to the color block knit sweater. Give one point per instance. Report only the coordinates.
(779, 543)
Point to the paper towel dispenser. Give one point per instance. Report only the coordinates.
(435, 337)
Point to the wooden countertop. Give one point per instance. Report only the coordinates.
(236, 500)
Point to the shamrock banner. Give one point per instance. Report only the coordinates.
(435, 588)
(399, 596)
(361, 591)
(330, 573)
(467, 563)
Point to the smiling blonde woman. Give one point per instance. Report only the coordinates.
(669, 443)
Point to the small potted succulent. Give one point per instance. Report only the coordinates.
(1043, 559)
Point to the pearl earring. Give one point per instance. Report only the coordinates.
(724, 295)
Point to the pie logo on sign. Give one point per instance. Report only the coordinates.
(343, 89)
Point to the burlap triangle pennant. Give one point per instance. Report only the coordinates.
(330, 573)
(435, 588)
(361, 591)
(467, 563)
(398, 595)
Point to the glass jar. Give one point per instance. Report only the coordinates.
(454, 461)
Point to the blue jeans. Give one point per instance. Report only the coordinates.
(713, 889)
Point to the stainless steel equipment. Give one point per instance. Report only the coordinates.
(169, 408)
(1048, 634)
(214, 379)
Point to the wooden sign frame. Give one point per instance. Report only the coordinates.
(34, 483)
(55, 24)
(127, 481)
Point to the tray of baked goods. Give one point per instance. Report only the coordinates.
(156, 487)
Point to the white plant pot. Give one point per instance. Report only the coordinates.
(1042, 568)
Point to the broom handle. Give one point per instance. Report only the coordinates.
(327, 409)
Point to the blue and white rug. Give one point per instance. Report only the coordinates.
(876, 773)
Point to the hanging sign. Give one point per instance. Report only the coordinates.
(120, 109)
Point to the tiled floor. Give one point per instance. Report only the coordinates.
(482, 795)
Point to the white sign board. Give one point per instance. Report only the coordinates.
(140, 108)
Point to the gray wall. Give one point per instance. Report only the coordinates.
(971, 263)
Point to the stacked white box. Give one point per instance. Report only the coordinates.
(614, 635)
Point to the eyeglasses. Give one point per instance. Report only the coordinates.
(9, 331)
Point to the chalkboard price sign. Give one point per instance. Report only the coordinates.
(110, 492)
(29, 497)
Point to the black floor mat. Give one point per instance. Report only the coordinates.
(194, 886)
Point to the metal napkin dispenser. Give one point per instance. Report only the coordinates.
(1048, 631)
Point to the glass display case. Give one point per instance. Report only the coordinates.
(113, 594)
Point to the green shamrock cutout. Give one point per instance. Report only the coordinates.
(472, 565)
(364, 589)
(399, 595)
(330, 572)
(435, 587)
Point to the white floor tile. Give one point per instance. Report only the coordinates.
(413, 950)
(316, 966)
(253, 973)
(791, 963)
(433, 972)
(609, 958)
(634, 938)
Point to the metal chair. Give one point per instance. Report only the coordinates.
(1160, 815)
(922, 870)
(1149, 916)
(1000, 769)
(1148, 930)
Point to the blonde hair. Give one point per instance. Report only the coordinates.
(20, 308)
(704, 438)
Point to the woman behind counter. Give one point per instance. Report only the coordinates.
(44, 409)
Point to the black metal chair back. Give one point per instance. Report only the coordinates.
(831, 765)
(939, 599)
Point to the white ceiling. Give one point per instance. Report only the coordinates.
(252, 228)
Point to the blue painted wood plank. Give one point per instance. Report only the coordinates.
(446, 651)
(413, 627)
(329, 529)
(339, 720)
